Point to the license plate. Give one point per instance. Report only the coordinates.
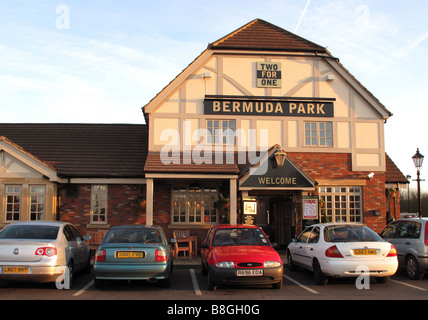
(15, 269)
(365, 252)
(250, 272)
(130, 254)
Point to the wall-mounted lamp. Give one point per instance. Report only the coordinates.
(206, 75)
(370, 175)
(330, 77)
(280, 156)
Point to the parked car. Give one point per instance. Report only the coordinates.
(134, 252)
(41, 251)
(240, 254)
(339, 250)
(410, 237)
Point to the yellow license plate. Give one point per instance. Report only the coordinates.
(365, 252)
(15, 269)
(130, 254)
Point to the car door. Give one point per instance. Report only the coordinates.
(308, 248)
(298, 249)
(205, 247)
(81, 246)
(390, 234)
(73, 247)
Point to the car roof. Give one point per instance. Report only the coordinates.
(38, 223)
(327, 224)
(228, 226)
(127, 226)
(412, 219)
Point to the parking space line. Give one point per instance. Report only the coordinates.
(300, 285)
(407, 284)
(78, 293)
(195, 283)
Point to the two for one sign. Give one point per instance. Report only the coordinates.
(269, 75)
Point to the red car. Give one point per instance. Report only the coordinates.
(240, 254)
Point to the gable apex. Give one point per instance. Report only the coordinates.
(262, 35)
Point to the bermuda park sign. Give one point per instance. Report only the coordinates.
(279, 106)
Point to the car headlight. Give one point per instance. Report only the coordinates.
(225, 264)
(272, 264)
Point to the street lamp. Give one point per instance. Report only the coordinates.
(418, 159)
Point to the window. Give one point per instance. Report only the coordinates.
(342, 204)
(194, 205)
(221, 131)
(304, 236)
(37, 202)
(315, 235)
(13, 202)
(99, 204)
(318, 134)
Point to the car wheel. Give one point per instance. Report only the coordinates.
(70, 274)
(87, 268)
(211, 283)
(203, 269)
(166, 283)
(291, 265)
(382, 279)
(319, 277)
(412, 268)
(99, 284)
(277, 285)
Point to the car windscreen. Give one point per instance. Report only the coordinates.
(29, 232)
(350, 233)
(239, 237)
(133, 235)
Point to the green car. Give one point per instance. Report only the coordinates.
(134, 252)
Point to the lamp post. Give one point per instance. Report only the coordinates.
(408, 177)
(418, 159)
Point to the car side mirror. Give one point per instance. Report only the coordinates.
(173, 240)
(274, 245)
(87, 237)
(205, 246)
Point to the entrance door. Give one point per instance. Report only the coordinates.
(274, 215)
(281, 210)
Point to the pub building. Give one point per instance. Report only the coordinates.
(263, 127)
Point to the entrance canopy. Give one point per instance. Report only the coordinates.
(267, 174)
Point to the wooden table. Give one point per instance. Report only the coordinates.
(193, 244)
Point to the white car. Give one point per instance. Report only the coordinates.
(342, 250)
(42, 252)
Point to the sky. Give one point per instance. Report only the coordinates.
(101, 61)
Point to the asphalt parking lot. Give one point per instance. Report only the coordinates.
(189, 296)
(189, 284)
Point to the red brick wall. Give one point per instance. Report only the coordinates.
(120, 210)
(339, 166)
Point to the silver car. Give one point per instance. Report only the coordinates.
(410, 238)
(43, 252)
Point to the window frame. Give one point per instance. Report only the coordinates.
(13, 203)
(100, 195)
(40, 215)
(221, 132)
(318, 136)
(345, 201)
(184, 205)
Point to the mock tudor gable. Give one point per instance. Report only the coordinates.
(254, 90)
